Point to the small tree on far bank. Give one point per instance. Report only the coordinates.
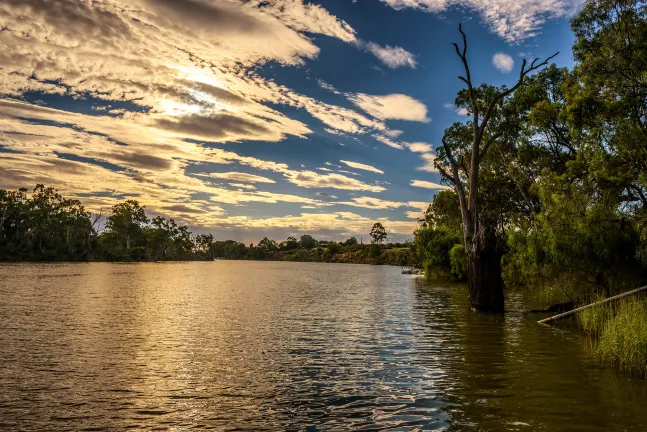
(378, 233)
(307, 242)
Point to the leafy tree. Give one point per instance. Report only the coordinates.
(204, 245)
(290, 244)
(126, 222)
(378, 233)
(444, 212)
(351, 241)
(334, 248)
(307, 242)
(267, 245)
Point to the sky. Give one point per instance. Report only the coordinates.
(253, 118)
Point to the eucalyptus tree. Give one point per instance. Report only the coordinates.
(127, 221)
(481, 244)
(378, 233)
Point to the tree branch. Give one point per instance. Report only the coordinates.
(467, 79)
(489, 143)
(522, 76)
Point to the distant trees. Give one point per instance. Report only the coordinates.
(126, 222)
(42, 225)
(351, 241)
(378, 233)
(307, 242)
(290, 244)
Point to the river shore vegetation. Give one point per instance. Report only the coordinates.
(562, 182)
(42, 225)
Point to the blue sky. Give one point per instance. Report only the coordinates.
(252, 118)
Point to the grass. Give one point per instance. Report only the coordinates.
(619, 333)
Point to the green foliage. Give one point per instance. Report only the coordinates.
(432, 247)
(334, 248)
(374, 250)
(593, 319)
(458, 262)
(620, 333)
(443, 212)
(307, 242)
(43, 226)
(351, 241)
(290, 244)
(126, 223)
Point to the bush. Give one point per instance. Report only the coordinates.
(458, 262)
(334, 248)
(374, 251)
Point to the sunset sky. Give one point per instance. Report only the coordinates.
(252, 118)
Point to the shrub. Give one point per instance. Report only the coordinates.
(458, 262)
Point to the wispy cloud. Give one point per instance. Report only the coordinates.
(420, 147)
(362, 166)
(393, 57)
(391, 107)
(427, 185)
(509, 19)
(428, 166)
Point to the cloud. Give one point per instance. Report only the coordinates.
(393, 57)
(327, 195)
(428, 185)
(503, 62)
(239, 177)
(243, 186)
(512, 20)
(362, 166)
(393, 133)
(428, 166)
(391, 107)
(420, 147)
(311, 179)
(373, 203)
(460, 111)
(389, 142)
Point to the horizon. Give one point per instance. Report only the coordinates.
(253, 120)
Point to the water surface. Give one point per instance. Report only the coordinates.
(233, 345)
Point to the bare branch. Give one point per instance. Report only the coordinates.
(467, 79)
(522, 76)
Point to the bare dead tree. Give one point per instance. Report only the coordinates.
(484, 273)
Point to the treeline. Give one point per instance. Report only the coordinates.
(45, 226)
(563, 179)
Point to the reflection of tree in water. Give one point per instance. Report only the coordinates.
(508, 373)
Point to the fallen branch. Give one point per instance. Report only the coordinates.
(571, 312)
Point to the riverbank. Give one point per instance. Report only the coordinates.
(618, 333)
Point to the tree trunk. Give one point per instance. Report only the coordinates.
(484, 269)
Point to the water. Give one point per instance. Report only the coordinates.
(234, 345)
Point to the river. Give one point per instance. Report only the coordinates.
(239, 345)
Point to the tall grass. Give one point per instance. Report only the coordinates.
(619, 333)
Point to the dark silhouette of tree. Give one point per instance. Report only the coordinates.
(378, 233)
(307, 242)
(127, 221)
